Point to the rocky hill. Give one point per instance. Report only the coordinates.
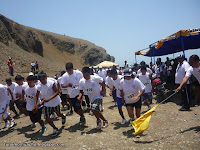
(25, 44)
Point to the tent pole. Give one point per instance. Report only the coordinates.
(182, 43)
(151, 52)
(135, 59)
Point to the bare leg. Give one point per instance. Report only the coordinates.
(121, 112)
(50, 122)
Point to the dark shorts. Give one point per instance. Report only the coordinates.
(35, 117)
(24, 105)
(95, 105)
(64, 98)
(119, 102)
(138, 104)
(146, 97)
(75, 103)
(50, 110)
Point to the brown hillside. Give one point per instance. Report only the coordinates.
(25, 44)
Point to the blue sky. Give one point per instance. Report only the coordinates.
(120, 26)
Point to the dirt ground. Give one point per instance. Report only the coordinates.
(168, 129)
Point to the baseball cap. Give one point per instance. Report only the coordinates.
(127, 72)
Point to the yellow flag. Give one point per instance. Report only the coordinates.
(142, 123)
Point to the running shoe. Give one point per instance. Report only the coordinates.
(55, 132)
(105, 124)
(98, 124)
(63, 119)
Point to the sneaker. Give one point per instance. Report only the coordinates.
(55, 132)
(6, 124)
(82, 121)
(98, 124)
(63, 119)
(184, 109)
(132, 119)
(53, 116)
(105, 124)
(33, 125)
(123, 121)
(44, 129)
(12, 123)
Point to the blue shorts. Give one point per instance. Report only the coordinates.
(147, 97)
(119, 102)
(114, 93)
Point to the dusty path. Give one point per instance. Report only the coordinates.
(168, 129)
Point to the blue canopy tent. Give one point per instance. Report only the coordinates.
(179, 41)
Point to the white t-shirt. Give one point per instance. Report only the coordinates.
(92, 87)
(148, 70)
(74, 80)
(180, 72)
(131, 88)
(30, 94)
(108, 81)
(146, 81)
(12, 87)
(195, 72)
(18, 88)
(4, 99)
(64, 90)
(102, 74)
(46, 91)
(116, 84)
(33, 64)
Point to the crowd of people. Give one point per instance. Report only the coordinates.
(81, 91)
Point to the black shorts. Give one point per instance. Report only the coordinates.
(49, 110)
(75, 103)
(35, 117)
(64, 98)
(138, 104)
(24, 105)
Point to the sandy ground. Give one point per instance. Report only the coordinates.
(168, 129)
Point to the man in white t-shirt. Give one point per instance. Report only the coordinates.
(115, 83)
(193, 69)
(70, 80)
(108, 83)
(90, 84)
(11, 85)
(18, 92)
(4, 102)
(29, 93)
(148, 69)
(181, 70)
(146, 78)
(131, 89)
(102, 73)
(48, 92)
(64, 92)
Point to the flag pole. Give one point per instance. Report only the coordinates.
(167, 98)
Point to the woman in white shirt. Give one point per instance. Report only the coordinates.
(131, 89)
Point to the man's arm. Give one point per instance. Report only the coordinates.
(80, 95)
(9, 91)
(103, 88)
(183, 83)
(55, 94)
